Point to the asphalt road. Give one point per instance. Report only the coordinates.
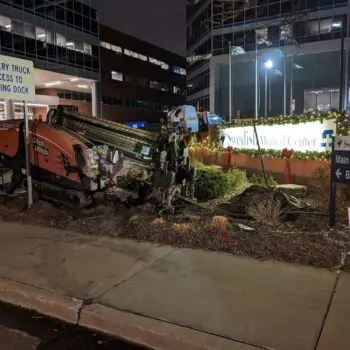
(24, 330)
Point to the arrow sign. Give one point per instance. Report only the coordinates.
(338, 173)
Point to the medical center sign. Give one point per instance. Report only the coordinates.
(16, 79)
(309, 136)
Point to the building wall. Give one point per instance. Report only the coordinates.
(119, 113)
(140, 81)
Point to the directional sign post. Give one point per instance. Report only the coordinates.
(340, 172)
(17, 83)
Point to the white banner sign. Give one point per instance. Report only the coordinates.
(16, 79)
(312, 136)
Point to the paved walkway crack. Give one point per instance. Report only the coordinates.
(330, 301)
(140, 269)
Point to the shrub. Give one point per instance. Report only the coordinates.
(158, 223)
(268, 211)
(135, 219)
(220, 224)
(237, 179)
(211, 182)
(258, 179)
(181, 228)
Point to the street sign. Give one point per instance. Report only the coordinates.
(341, 159)
(340, 170)
(16, 79)
(17, 83)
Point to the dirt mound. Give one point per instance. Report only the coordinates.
(256, 194)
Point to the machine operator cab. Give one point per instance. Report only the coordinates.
(184, 117)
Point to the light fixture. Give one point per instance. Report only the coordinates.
(41, 35)
(70, 43)
(53, 83)
(268, 64)
(83, 86)
(74, 79)
(8, 26)
(298, 66)
(337, 24)
(31, 104)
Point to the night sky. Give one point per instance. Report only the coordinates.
(160, 22)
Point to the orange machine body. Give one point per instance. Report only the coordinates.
(52, 152)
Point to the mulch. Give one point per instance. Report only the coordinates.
(307, 240)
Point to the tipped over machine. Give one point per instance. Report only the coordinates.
(75, 158)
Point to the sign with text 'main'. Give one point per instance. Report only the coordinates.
(16, 79)
(341, 159)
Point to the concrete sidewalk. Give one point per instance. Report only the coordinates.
(169, 298)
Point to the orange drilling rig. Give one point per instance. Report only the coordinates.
(74, 157)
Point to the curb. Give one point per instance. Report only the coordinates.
(140, 330)
(48, 303)
(152, 333)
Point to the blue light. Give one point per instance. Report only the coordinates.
(136, 125)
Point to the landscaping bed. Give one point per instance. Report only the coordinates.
(306, 240)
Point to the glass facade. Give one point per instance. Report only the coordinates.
(61, 36)
(299, 31)
(300, 37)
(311, 80)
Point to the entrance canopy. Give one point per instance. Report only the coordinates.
(52, 80)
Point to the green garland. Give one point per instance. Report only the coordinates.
(272, 153)
(342, 125)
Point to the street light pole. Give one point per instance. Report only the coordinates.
(265, 105)
(230, 83)
(341, 88)
(268, 66)
(284, 83)
(291, 84)
(256, 79)
(269, 82)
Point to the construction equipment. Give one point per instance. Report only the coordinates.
(75, 157)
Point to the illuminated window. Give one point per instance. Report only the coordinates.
(117, 76)
(176, 90)
(106, 45)
(60, 40)
(87, 48)
(158, 86)
(134, 54)
(179, 70)
(286, 32)
(5, 22)
(161, 64)
(116, 49)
